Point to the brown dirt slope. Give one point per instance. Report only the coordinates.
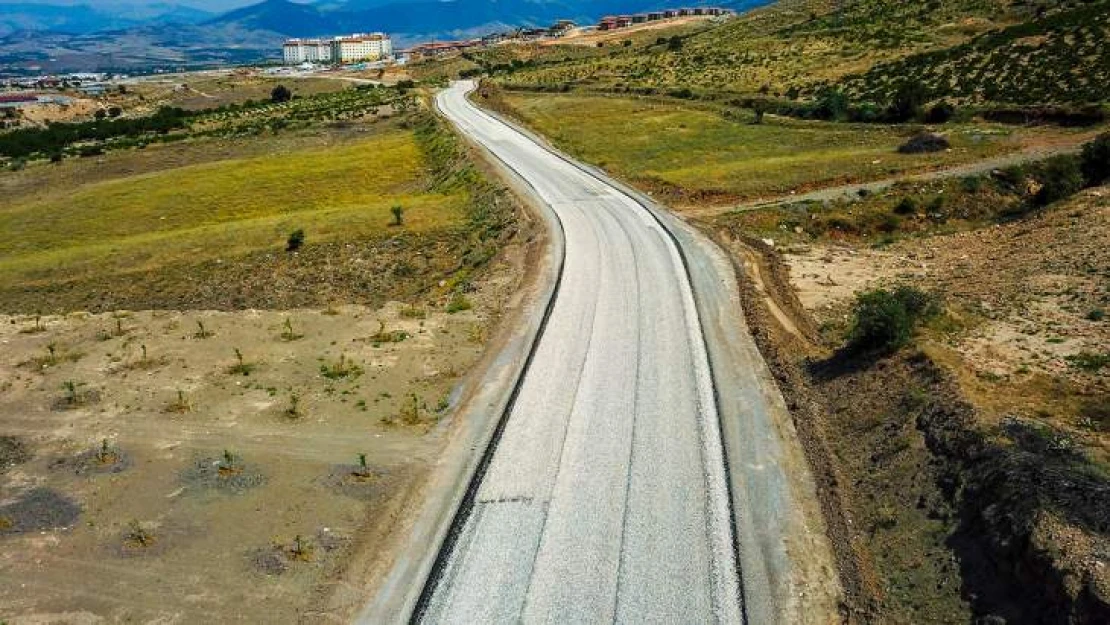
(958, 492)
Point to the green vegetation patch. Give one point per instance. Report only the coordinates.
(220, 210)
(702, 151)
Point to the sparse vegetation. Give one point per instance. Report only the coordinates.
(343, 368)
(458, 303)
(180, 405)
(294, 409)
(392, 336)
(138, 536)
(1090, 361)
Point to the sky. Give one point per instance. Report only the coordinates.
(214, 6)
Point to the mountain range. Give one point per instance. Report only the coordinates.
(47, 37)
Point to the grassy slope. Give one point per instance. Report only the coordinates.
(223, 209)
(806, 44)
(696, 153)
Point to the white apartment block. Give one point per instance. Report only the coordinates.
(297, 51)
(345, 49)
(355, 48)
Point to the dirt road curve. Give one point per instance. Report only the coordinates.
(609, 496)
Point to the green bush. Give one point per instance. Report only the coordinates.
(885, 320)
(296, 240)
(1060, 177)
(905, 207)
(1096, 160)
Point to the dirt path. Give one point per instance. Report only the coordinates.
(1070, 144)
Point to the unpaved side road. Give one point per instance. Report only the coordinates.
(648, 469)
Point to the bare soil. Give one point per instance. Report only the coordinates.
(128, 508)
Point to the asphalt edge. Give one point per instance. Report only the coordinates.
(404, 595)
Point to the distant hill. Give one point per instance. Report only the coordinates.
(37, 37)
(86, 18)
(279, 16)
(413, 19)
(998, 51)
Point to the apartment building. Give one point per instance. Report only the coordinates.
(342, 49)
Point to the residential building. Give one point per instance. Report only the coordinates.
(361, 47)
(298, 51)
(343, 49)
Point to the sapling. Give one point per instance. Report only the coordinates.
(181, 405)
(202, 332)
(104, 455)
(287, 332)
(363, 467)
(242, 366)
(139, 535)
(72, 397)
(294, 405)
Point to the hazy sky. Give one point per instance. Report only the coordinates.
(208, 5)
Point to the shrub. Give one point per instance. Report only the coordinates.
(972, 184)
(398, 215)
(280, 94)
(905, 207)
(296, 240)
(885, 320)
(832, 104)
(907, 102)
(1096, 160)
(458, 303)
(940, 113)
(923, 143)
(1059, 177)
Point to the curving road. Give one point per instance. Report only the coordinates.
(606, 498)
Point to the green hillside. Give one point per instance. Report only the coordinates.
(982, 51)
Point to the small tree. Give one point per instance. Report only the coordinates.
(940, 113)
(674, 44)
(115, 111)
(759, 107)
(296, 240)
(100, 114)
(398, 215)
(907, 102)
(1060, 177)
(280, 94)
(1096, 160)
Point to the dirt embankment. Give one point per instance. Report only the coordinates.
(943, 505)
